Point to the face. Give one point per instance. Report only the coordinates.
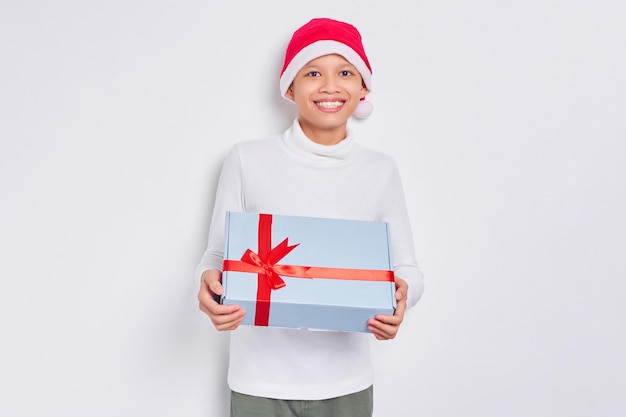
(326, 91)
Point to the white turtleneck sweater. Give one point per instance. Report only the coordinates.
(291, 175)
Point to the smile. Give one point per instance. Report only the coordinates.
(329, 104)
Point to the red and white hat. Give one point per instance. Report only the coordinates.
(321, 37)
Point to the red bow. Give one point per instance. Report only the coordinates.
(268, 268)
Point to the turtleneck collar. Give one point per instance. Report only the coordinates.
(302, 146)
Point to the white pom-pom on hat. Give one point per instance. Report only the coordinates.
(323, 36)
(364, 109)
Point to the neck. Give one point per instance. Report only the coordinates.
(324, 136)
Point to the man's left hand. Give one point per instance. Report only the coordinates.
(386, 327)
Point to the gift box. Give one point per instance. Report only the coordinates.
(307, 272)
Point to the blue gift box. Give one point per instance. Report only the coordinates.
(307, 272)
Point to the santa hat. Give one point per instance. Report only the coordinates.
(321, 37)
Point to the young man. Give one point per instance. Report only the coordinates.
(316, 168)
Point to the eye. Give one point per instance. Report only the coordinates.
(313, 74)
(345, 73)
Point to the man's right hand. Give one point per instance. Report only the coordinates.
(223, 317)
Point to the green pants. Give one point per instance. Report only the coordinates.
(359, 404)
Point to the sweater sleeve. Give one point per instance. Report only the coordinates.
(403, 248)
(228, 197)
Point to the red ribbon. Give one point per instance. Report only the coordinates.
(264, 264)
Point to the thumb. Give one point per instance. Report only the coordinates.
(401, 289)
(212, 279)
(216, 287)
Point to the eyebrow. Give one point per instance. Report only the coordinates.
(343, 67)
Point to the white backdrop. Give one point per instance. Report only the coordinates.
(507, 120)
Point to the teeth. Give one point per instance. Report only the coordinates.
(329, 104)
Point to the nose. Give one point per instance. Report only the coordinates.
(330, 85)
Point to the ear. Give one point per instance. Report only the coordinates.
(364, 92)
(289, 93)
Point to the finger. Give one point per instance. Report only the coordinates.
(228, 327)
(379, 336)
(394, 320)
(382, 333)
(224, 317)
(400, 308)
(389, 325)
(402, 289)
(206, 292)
(211, 307)
(205, 297)
(228, 322)
(383, 330)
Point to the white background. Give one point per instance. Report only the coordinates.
(507, 120)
